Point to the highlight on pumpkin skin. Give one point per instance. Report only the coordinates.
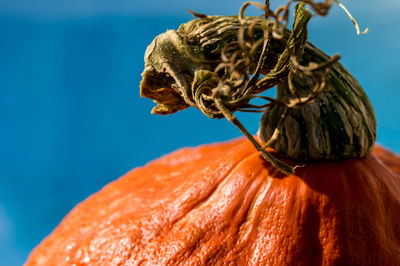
(221, 63)
(219, 204)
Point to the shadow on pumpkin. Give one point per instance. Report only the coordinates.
(362, 194)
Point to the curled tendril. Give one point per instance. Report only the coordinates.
(235, 80)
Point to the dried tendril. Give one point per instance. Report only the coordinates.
(235, 80)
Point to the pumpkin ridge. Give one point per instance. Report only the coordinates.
(364, 196)
(251, 206)
(246, 232)
(249, 231)
(242, 218)
(205, 239)
(234, 153)
(215, 188)
(382, 194)
(338, 246)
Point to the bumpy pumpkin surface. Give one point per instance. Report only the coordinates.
(222, 204)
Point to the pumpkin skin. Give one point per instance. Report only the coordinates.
(388, 158)
(222, 204)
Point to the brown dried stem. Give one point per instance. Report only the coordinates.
(235, 88)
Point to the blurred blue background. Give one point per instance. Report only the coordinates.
(70, 112)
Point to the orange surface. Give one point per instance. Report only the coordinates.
(222, 204)
(389, 158)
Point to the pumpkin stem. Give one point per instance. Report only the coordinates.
(218, 64)
(277, 130)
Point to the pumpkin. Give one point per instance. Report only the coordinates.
(223, 204)
(388, 158)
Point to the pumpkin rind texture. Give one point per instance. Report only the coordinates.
(388, 158)
(222, 204)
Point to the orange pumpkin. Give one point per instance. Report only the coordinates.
(388, 158)
(222, 204)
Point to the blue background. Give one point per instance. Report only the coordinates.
(70, 112)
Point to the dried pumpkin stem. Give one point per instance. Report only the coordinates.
(220, 63)
(277, 130)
